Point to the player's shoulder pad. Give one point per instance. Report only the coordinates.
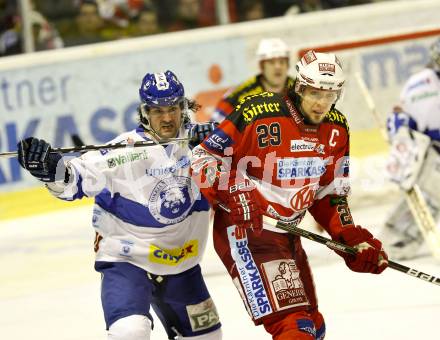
(243, 87)
(336, 117)
(255, 107)
(290, 82)
(249, 87)
(421, 85)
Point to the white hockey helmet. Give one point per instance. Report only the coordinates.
(272, 48)
(319, 70)
(434, 52)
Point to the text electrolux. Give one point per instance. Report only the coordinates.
(300, 145)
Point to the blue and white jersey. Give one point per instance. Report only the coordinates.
(147, 211)
(420, 105)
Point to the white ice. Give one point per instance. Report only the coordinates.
(49, 290)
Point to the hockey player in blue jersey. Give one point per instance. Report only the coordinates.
(414, 130)
(150, 220)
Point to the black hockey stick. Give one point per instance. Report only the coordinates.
(86, 148)
(350, 250)
(334, 245)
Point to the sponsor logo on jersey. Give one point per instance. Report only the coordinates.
(125, 248)
(182, 163)
(285, 284)
(251, 111)
(299, 168)
(300, 145)
(421, 82)
(203, 315)
(252, 92)
(304, 197)
(293, 220)
(336, 117)
(175, 256)
(218, 141)
(310, 139)
(250, 276)
(320, 149)
(171, 199)
(294, 113)
(424, 95)
(126, 158)
(96, 215)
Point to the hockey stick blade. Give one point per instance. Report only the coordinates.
(86, 148)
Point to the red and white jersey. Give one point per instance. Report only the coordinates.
(295, 167)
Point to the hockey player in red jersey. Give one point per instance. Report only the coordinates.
(273, 58)
(281, 156)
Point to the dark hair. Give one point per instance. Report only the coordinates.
(192, 106)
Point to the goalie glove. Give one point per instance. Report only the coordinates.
(370, 258)
(407, 155)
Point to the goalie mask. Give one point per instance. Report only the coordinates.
(159, 90)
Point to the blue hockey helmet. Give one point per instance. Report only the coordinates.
(161, 89)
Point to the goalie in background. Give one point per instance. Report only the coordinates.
(414, 131)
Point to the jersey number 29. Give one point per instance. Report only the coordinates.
(269, 135)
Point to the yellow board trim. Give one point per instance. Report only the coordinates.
(39, 200)
(365, 143)
(33, 201)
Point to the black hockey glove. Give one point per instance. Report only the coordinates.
(199, 131)
(34, 155)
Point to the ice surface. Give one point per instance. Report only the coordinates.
(49, 289)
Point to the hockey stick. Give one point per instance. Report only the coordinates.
(414, 197)
(86, 148)
(334, 245)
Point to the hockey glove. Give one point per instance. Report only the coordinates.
(198, 132)
(34, 155)
(371, 258)
(241, 200)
